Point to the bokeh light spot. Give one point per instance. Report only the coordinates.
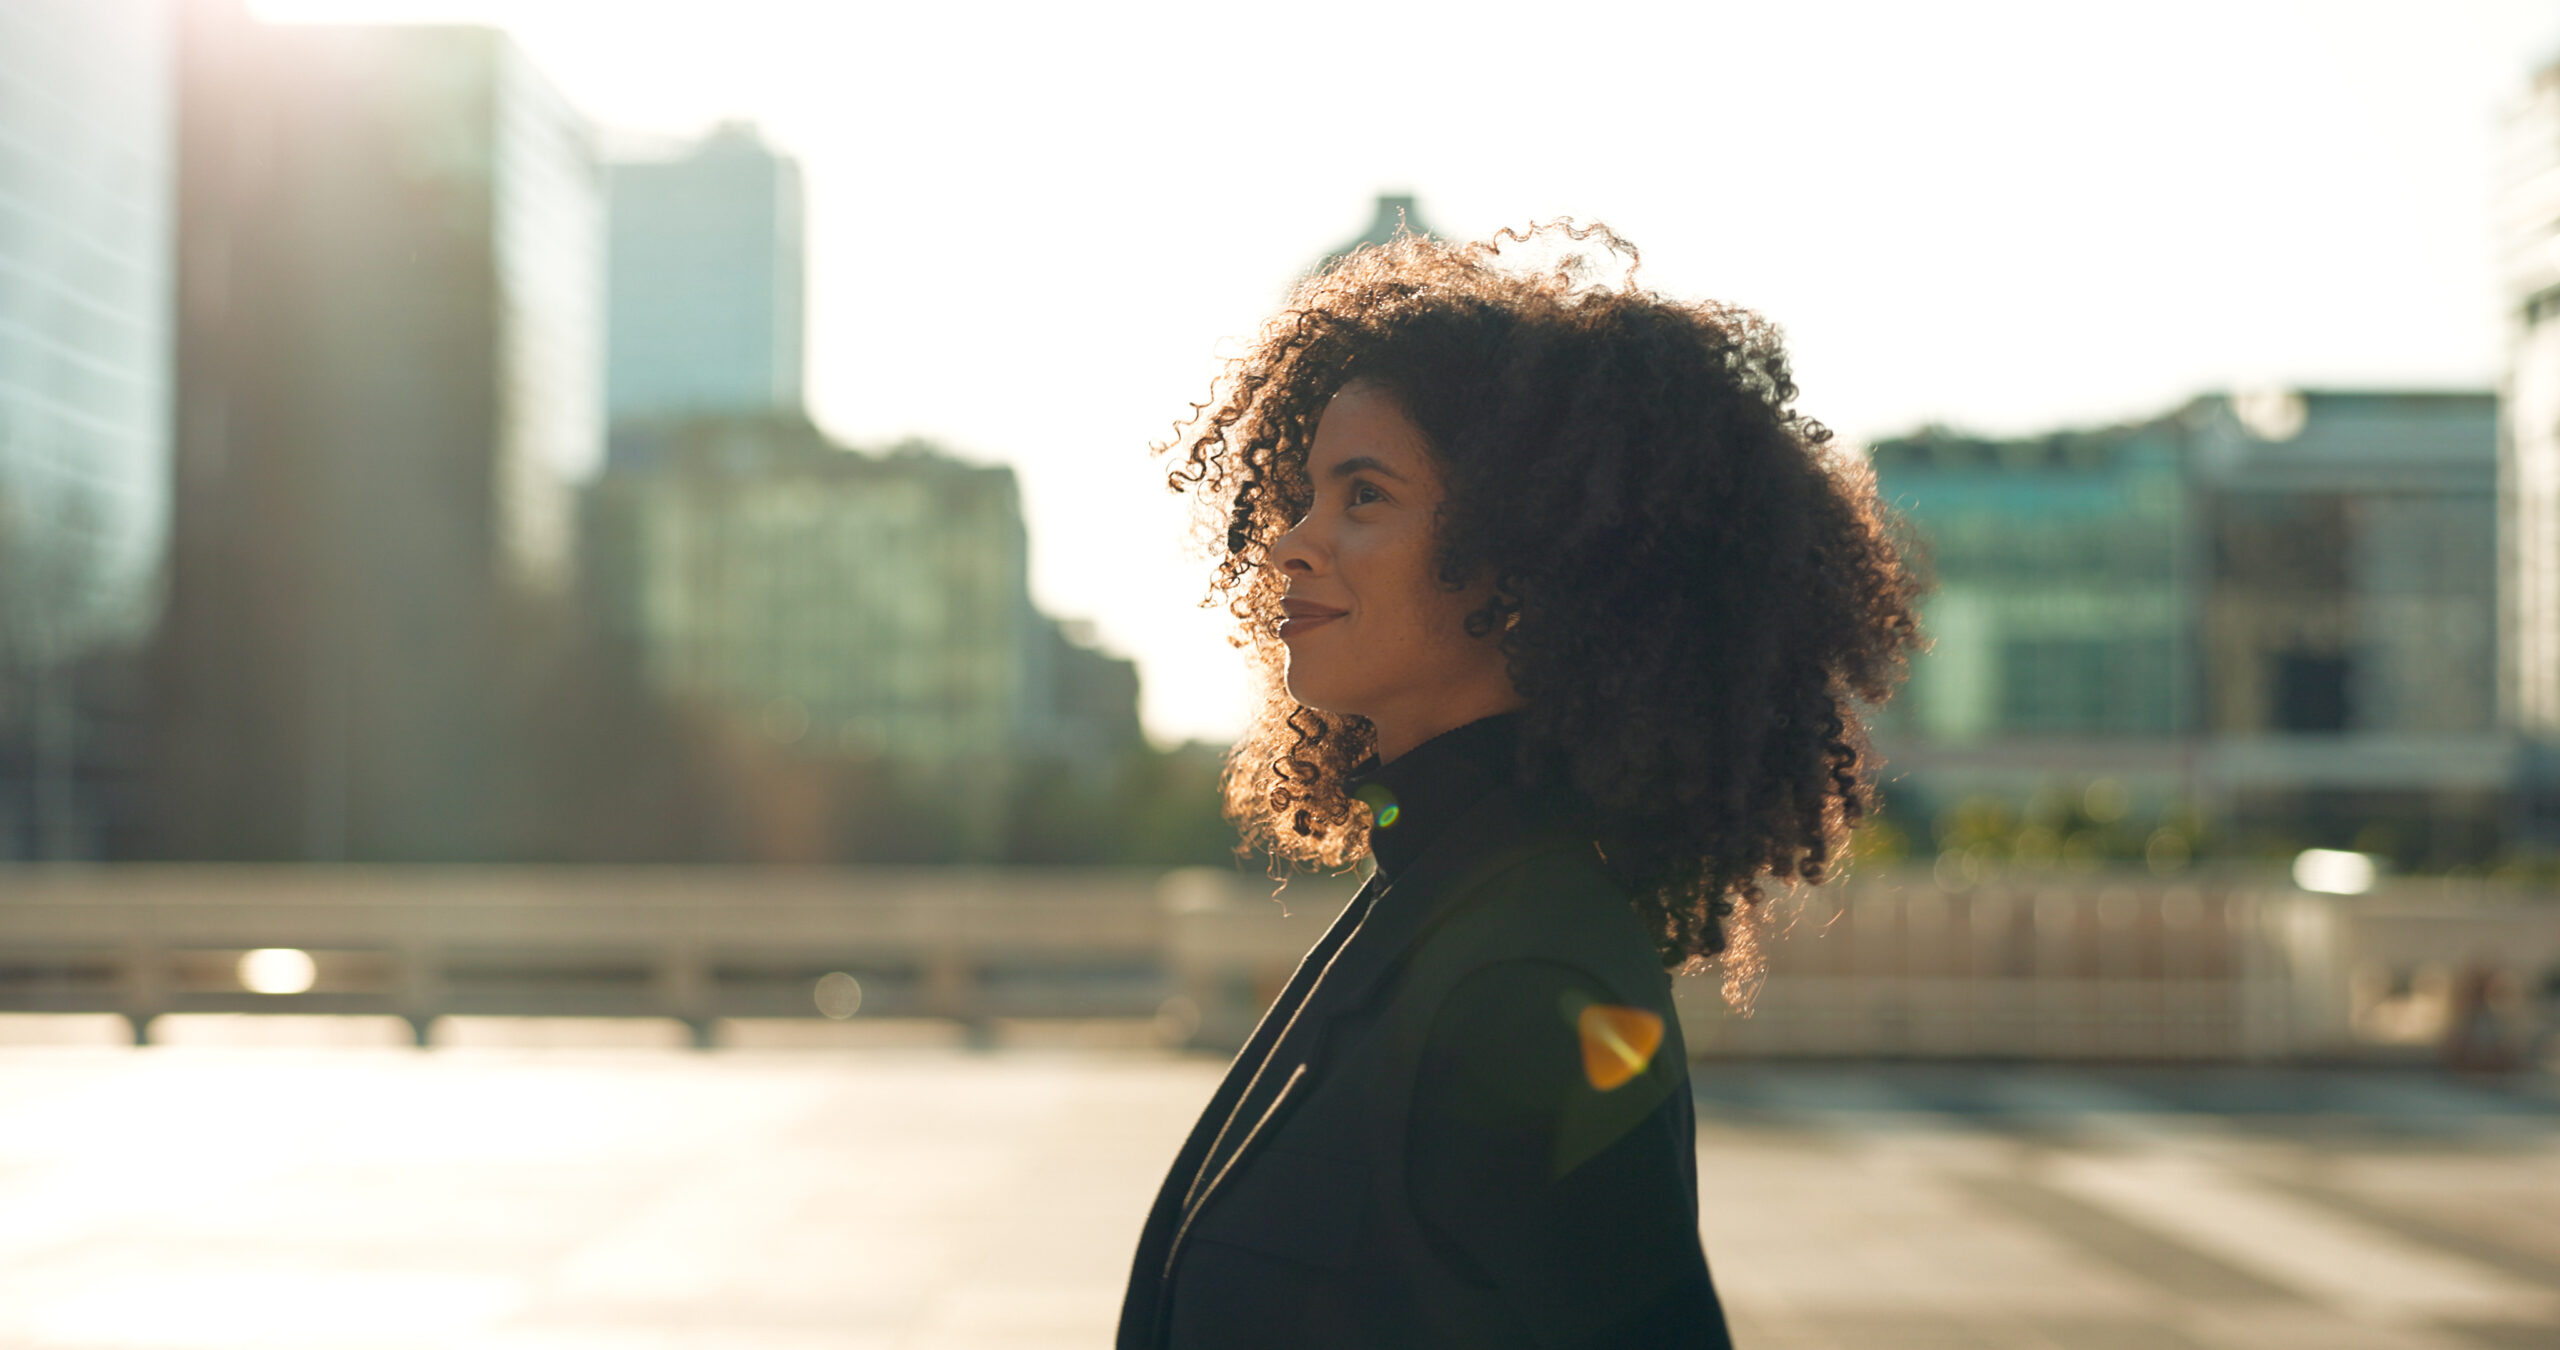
(2334, 871)
(838, 995)
(278, 970)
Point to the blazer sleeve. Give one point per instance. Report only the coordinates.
(1565, 1185)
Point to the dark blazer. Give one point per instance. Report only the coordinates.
(1309, 1206)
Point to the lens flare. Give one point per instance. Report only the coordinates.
(1383, 809)
(1617, 1043)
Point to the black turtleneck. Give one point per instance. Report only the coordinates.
(1414, 799)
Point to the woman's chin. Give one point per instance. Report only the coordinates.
(1312, 693)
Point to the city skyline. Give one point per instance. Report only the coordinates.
(1959, 218)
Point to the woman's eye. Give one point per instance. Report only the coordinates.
(1364, 493)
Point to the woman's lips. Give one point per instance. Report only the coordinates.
(1290, 628)
(1303, 617)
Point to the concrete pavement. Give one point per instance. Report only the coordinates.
(931, 1197)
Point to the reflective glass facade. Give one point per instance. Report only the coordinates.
(547, 235)
(2271, 616)
(85, 219)
(2062, 568)
(389, 369)
(2529, 464)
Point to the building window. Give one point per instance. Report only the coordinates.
(2309, 693)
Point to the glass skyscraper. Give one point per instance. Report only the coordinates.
(2529, 460)
(389, 376)
(85, 220)
(706, 280)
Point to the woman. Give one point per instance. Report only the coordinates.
(1562, 611)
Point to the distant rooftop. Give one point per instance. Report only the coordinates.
(2311, 439)
(729, 136)
(1395, 214)
(775, 443)
(2277, 439)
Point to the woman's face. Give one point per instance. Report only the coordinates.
(1371, 631)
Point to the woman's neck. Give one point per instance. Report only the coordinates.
(1399, 732)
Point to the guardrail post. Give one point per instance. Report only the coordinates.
(686, 987)
(421, 992)
(144, 980)
(949, 986)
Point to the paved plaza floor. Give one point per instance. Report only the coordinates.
(935, 1197)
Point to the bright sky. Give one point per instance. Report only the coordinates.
(1032, 226)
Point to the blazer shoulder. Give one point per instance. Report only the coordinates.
(1556, 905)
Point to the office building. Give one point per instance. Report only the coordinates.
(2529, 461)
(848, 606)
(706, 268)
(2528, 224)
(389, 374)
(1393, 214)
(85, 151)
(2350, 623)
(2273, 614)
(1084, 701)
(2065, 585)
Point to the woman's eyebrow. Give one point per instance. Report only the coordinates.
(1361, 464)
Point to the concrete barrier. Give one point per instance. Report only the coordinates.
(695, 944)
(2212, 965)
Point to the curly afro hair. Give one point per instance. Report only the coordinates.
(1695, 587)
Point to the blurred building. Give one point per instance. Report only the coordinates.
(389, 369)
(85, 150)
(706, 280)
(2528, 215)
(2271, 617)
(849, 604)
(1393, 214)
(2066, 589)
(2351, 625)
(1084, 701)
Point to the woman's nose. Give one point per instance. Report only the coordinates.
(1290, 553)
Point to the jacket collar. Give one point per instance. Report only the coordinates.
(1506, 828)
(1432, 786)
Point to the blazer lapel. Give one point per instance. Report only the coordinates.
(1253, 1062)
(1502, 831)
(1183, 1180)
